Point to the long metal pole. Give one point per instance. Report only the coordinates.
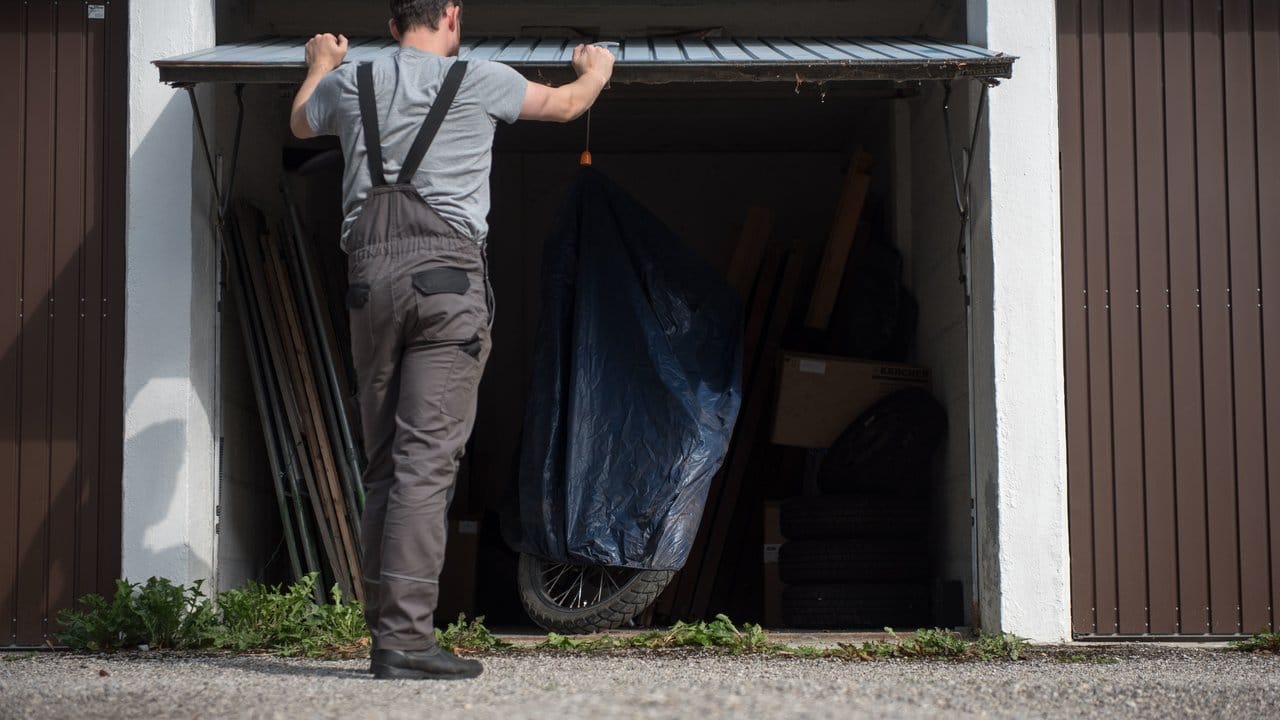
(300, 265)
(253, 316)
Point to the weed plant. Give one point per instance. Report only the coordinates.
(288, 621)
(1264, 642)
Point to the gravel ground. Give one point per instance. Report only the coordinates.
(1129, 682)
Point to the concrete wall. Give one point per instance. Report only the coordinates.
(1024, 558)
(170, 368)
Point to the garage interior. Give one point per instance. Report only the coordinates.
(714, 158)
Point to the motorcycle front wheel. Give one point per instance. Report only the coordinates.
(579, 599)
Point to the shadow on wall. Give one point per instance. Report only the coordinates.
(170, 494)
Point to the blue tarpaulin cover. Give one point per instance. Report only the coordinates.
(636, 387)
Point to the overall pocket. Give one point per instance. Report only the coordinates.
(451, 320)
(445, 312)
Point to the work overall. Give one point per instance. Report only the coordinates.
(421, 310)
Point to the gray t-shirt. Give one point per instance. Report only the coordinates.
(454, 176)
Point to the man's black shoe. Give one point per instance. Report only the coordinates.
(432, 664)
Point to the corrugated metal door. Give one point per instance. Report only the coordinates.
(1171, 245)
(62, 148)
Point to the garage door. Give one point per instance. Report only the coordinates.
(1171, 242)
(643, 60)
(62, 147)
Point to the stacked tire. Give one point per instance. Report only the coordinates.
(857, 556)
(854, 561)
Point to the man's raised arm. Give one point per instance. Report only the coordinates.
(594, 65)
(324, 54)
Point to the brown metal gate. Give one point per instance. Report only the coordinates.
(62, 150)
(1171, 243)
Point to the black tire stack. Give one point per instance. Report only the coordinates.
(857, 556)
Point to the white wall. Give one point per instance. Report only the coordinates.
(1024, 563)
(169, 453)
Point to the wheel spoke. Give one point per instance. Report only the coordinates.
(577, 587)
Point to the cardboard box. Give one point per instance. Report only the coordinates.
(772, 574)
(458, 578)
(819, 396)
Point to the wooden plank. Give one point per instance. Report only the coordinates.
(835, 258)
(1105, 599)
(37, 288)
(12, 129)
(1075, 318)
(1215, 329)
(313, 418)
(1245, 306)
(751, 419)
(1184, 293)
(1157, 372)
(250, 249)
(311, 421)
(747, 254)
(1266, 53)
(685, 583)
(68, 234)
(1122, 279)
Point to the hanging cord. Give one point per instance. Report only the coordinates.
(585, 158)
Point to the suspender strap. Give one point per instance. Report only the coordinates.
(369, 116)
(435, 118)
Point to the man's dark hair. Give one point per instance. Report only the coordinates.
(416, 13)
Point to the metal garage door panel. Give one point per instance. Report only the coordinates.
(640, 60)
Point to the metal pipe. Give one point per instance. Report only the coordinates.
(314, 311)
(291, 417)
(274, 415)
(274, 453)
(293, 272)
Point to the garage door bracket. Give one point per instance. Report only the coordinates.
(224, 195)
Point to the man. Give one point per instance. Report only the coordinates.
(417, 132)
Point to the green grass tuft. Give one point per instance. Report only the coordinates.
(1264, 642)
(289, 621)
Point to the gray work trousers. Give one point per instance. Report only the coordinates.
(420, 310)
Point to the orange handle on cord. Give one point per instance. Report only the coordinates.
(585, 158)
